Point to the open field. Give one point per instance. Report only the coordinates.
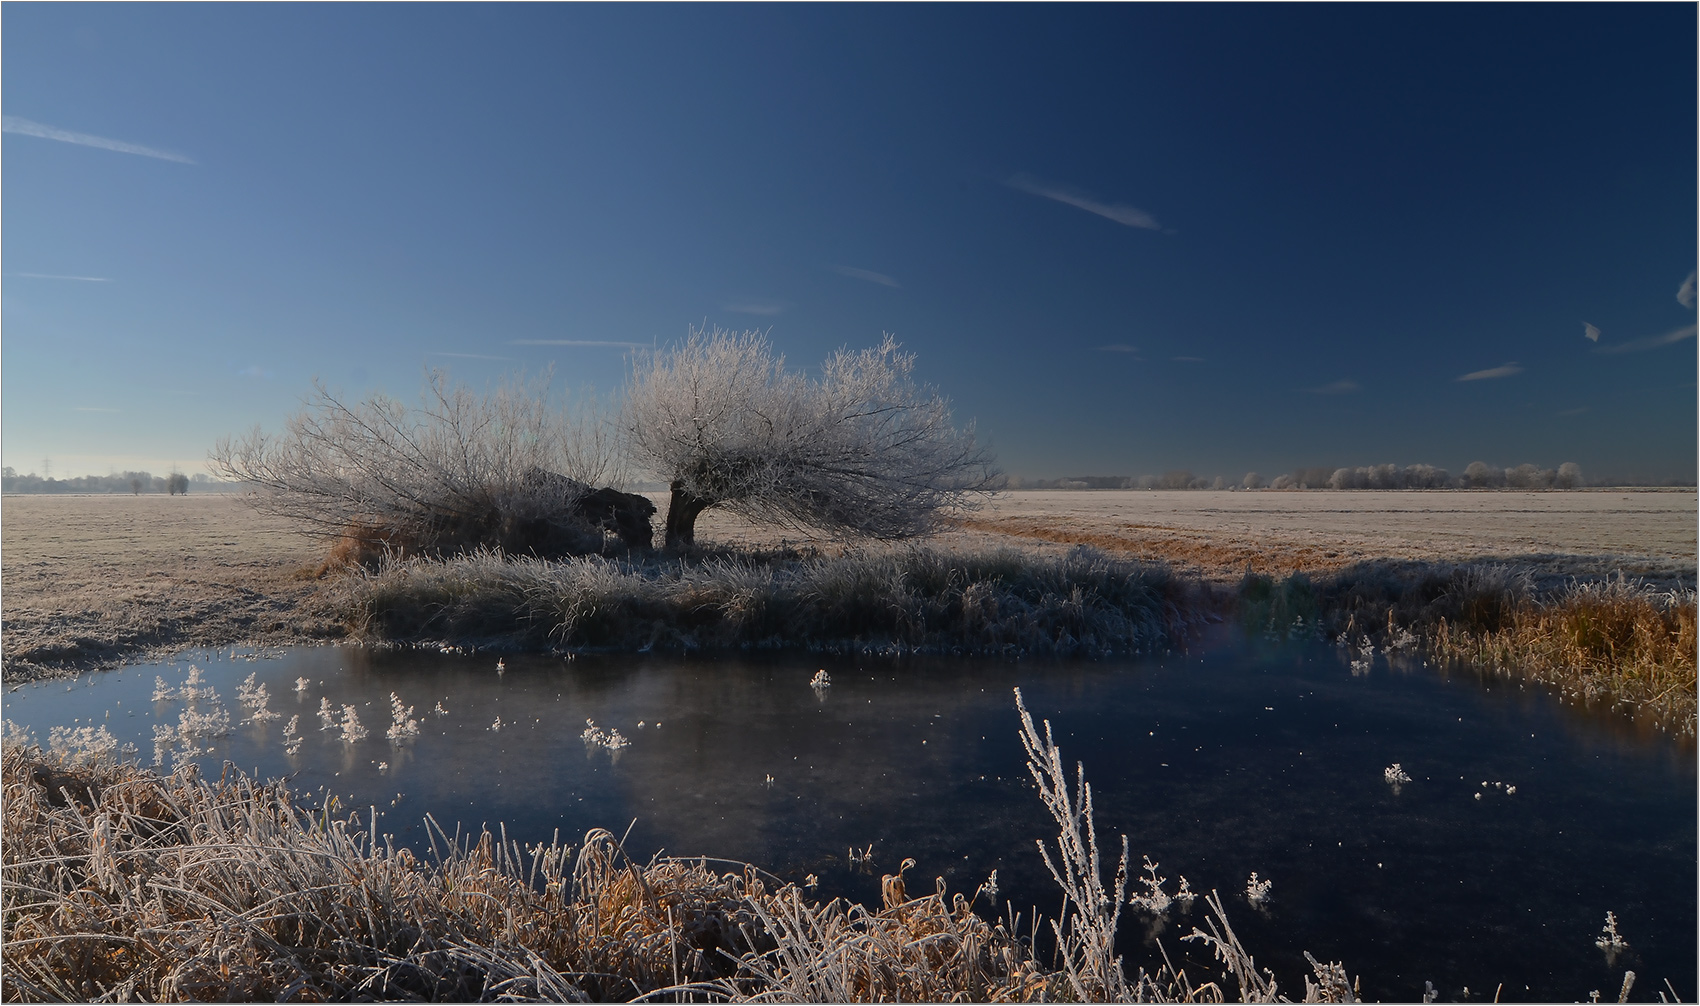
(1638, 532)
(95, 580)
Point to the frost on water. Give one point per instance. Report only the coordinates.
(254, 697)
(405, 726)
(1257, 891)
(351, 729)
(1154, 898)
(1395, 776)
(596, 737)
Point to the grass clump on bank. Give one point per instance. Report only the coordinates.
(121, 884)
(1615, 642)
(911, 600)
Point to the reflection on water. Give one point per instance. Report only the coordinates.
(1216, 764)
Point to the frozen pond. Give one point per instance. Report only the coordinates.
(1236, 758)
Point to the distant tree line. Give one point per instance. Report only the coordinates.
(175, 484)
(1476, 475)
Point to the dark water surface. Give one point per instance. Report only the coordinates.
(1237, 758)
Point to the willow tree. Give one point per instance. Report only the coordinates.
(501, 469)
(861, 449)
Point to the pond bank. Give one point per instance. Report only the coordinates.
(124, 883)
(1606, 641)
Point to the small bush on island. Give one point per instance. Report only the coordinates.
(505, 469)
(897, 600)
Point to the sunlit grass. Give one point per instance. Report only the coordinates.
(1616, 643)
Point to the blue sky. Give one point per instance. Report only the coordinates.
(1123, 239)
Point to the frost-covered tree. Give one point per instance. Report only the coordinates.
(1569, 476)
(1481, 475)
(862, 449)
(461, 470)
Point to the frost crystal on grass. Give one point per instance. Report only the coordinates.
(821, 681)
(615, 741)
(82, 744)
(162, 692)
(18, 735)
(497, 725)
(1395, 776)
(327, 715)
(292, 736)
(301, 686)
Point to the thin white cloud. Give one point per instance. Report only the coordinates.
(255, 370)
(762, 307)
(91, 408)
(1118, 347)
(866, 274)
(1345, 386)
(24, 127)
(1590, 332)
(1121, 213)
(577, 342)
(1503, 370)
(1685, 293)
(1650, 342)
(1189, 359)
(467, 356)
(49, 275)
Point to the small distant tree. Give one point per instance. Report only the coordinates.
(1481, 475)
(177, 483)
(1252, 480)
(1568, 476)
(861, 450)
(135, 486)
(460, 471)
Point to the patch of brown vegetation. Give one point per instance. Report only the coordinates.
(364, 546)
(170, 888)
(1609, 643)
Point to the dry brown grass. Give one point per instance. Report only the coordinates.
(120, 884)
(1611, 643)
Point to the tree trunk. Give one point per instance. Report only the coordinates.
(682, 511)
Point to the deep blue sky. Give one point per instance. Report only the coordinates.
(1123, 239)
